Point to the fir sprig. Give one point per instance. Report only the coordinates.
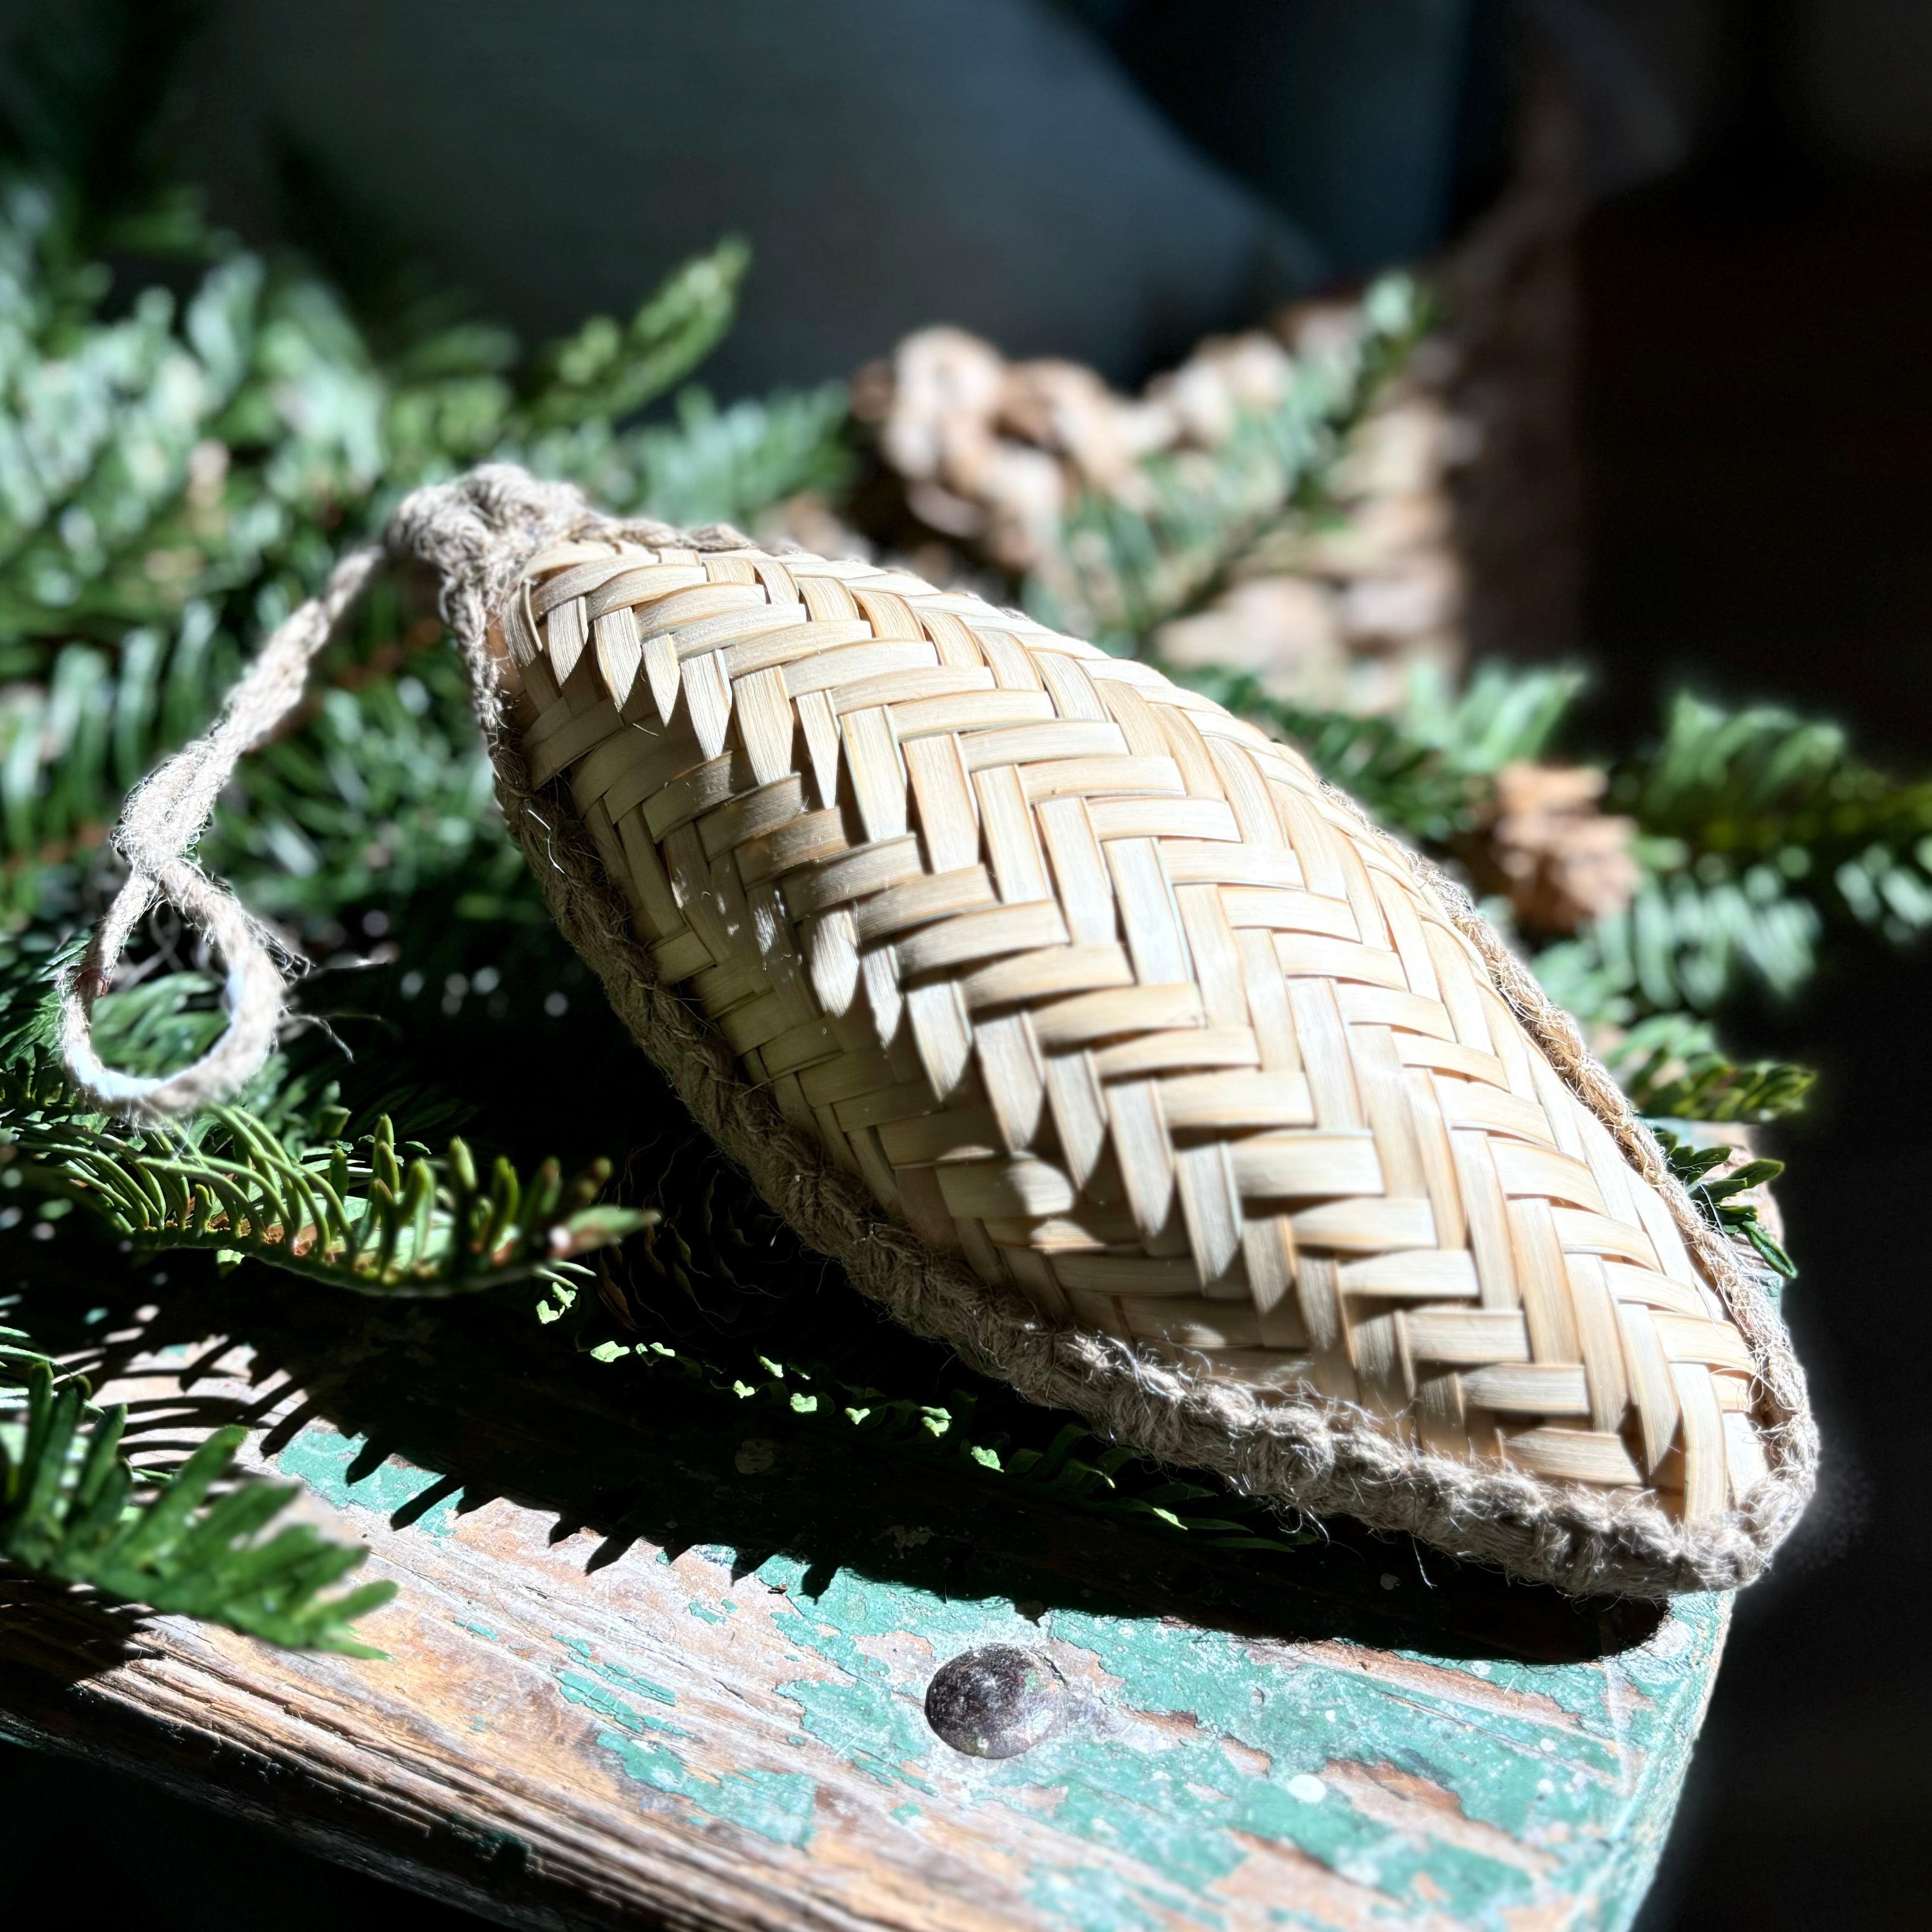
(364, 1214)
(708, 464)
(1758, 831)
(73, 744)
(1427, 771)
(1685, 942)
(1121, 568)
(978, 1431)
(385, 800)
(226, 443)
(1715, 1195)
(194, 1543)
(1760, 785)
(1760, 828)
(1670, 1066)
(282, 1180)
(608, 370)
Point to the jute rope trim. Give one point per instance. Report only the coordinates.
(1317, 1454)
(160, 824)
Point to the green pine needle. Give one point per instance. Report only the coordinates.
(977, 1431)
(708, 464)
(1758, 831)
(1119, 569)
(280, 1181)
(1714, 1197)
(195, 1544)
(219, 447)
(1427, 771)
(1671, 1066)
(609, 371)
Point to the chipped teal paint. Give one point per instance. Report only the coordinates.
(1547, 1800)
(1568, 1796)
(1095, 1900)
(1150, 1807)
(579, 1689)
(615, 1673)
(322, 1459)
(869, 1727)
(777, 1805)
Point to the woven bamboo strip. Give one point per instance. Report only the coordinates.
(1093, 985)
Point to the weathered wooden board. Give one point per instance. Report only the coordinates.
(651, 1661)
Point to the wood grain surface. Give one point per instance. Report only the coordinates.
(655, 1658)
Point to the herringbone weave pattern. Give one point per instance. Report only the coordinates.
(1090, 981)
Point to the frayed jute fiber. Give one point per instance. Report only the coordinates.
(1506, 1330)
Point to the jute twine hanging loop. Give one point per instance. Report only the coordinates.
(1089, 1030)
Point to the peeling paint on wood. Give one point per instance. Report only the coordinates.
(635, 1669)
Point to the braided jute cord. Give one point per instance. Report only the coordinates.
(1321, 1455)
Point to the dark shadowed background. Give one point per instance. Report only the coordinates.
(1110, 180)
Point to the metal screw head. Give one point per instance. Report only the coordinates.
(994, 1702)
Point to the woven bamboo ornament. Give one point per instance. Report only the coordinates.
(1091, 1031)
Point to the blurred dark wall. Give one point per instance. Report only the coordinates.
(1107, 180)
(983, 161)
(1378, 124)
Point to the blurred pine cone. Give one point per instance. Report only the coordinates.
(1544, 844)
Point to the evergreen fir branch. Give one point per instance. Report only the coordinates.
(226, 443)
(1685, 943)
(850, 1382)
(118, 504)
(1120, 569)
(1426, 771)
(1713, 1196)
(1757, 831)
(1504, 714)
(387, 792)
(385, 799)
(70, 1509)
(174, 479)
(282, 1180)
(386, 796)
(609, 371)
(72, 747)
(1777, 806)
(731, 465)
(366, 1214)
(1670, 1066)
(708, 465)
(973, 1433)
(18, 1356)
